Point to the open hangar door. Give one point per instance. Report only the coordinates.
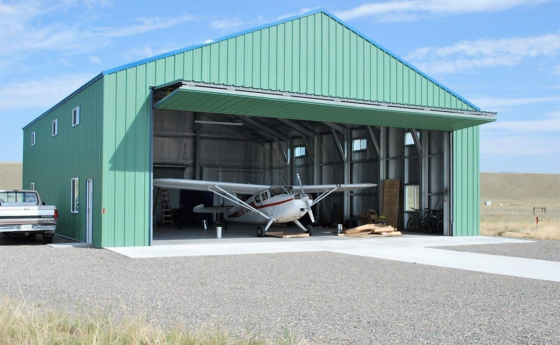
(212, 133)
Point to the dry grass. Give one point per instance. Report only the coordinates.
(10, 175)
(517, 220)
(513, 197)
(23, 324)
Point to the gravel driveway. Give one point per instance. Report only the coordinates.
(321, 297)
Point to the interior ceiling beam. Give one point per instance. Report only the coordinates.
(302, 130)
(338, 145)
(236, 129)
(282, 152)
(373, 139)
(263, 127)
(416, 139)
(336, 126)
(308, 151)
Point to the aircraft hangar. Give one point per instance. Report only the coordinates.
(308, 96)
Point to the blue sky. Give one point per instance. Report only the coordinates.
(502, 55)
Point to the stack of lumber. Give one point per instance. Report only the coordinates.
(370, 230)
(282, 234)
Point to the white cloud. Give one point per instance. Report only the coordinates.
(24, 33)
(95, 59)
(39, 93)
(380, 10)
(468, 55)
(547, 125)
(145, 25)
(494, 102)
(226, 23)
(520, 143)
(556, 69)
(527, 137)
(146, 52)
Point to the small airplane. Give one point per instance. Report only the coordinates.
(267, 204)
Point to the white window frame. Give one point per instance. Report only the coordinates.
(361, 147)
(32, 186)
(75, 196)
(76, 116)
(416, 197)
(33, 137)
(54, 128)
(299, 151)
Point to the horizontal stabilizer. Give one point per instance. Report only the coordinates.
(212, 209)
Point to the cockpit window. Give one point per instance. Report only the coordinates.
(258, 198)
(264, 196)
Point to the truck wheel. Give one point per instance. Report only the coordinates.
(48, 239)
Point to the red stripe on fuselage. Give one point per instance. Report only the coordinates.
(252, 204)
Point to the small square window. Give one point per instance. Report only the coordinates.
(76, 116)
(33, 139)
(408, 140)
(32, 186)
(412, 197)
(359, 145)
(55, 127)
(75, 195)
(299, 151)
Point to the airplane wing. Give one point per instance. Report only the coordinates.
(238, 188)
(338, 187)
(211, 209)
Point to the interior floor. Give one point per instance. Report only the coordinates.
(174, 235)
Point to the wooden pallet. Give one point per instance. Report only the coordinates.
(281, 234)
(370, 228)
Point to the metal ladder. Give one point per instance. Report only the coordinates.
(162, 199)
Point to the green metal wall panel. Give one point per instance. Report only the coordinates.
(314, 54)
(466, 182)
(74, 152)
(126, 155)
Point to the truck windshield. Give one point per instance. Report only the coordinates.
(19, 197)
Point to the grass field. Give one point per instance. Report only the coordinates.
(513, 197)
(21, 324)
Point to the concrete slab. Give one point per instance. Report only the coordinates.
(71, 245)
(409, 248)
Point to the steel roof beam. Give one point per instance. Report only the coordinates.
(298, 127)
(263, 128)
(282, 152)
(338, 145)
(373, 140)
(336, 126)
(236, 129)
(416, 139)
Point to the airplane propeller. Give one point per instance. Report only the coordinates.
(306, 200)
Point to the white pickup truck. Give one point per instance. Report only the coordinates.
(22, 213)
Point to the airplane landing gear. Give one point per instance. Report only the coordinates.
(260, 231)
(310, 230)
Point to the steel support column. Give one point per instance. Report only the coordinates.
(347, 173)
(425, 169)
(382, 165)
(447, 184)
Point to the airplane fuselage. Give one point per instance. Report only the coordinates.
(283, 208)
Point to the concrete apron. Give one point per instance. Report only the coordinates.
(410, 248)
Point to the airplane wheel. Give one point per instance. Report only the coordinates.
(310, 230)
(260, 231)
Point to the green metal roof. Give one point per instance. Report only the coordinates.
(255, 102)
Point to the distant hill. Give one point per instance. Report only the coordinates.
(10, 175)
(520, 187)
